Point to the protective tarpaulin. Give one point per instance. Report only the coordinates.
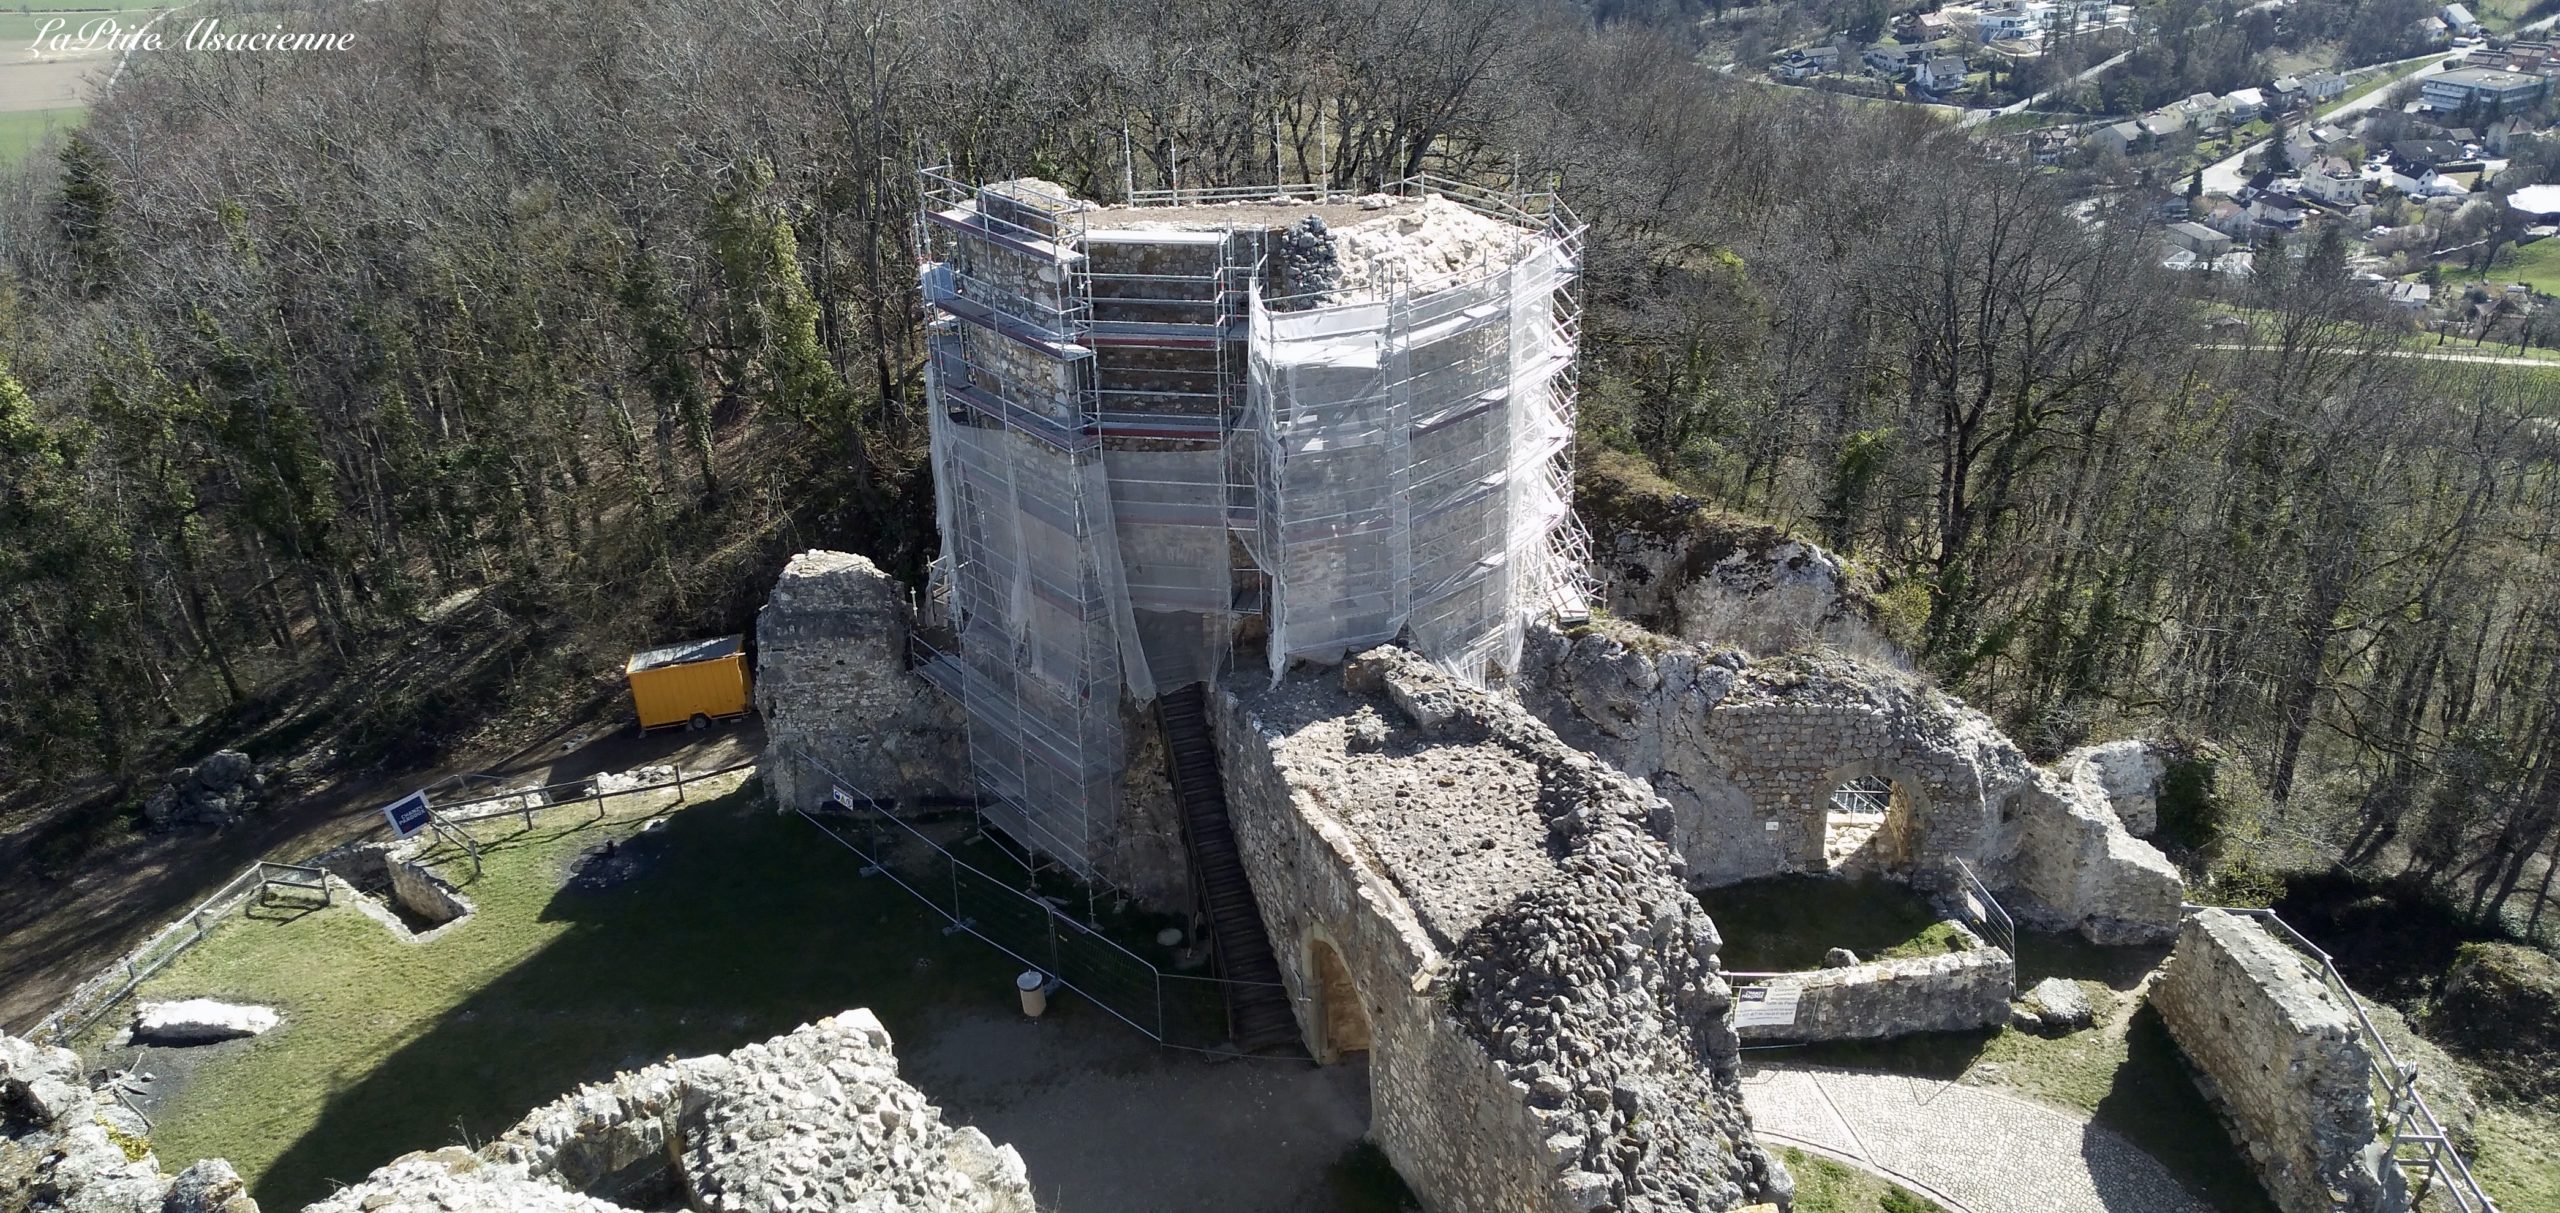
(1409, 456)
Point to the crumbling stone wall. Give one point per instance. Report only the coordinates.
(1956, 992)
(817, 1118)
(60, 1147)
(814, 1119)
(2281, 1057)
(1545, 1024)
(1748, 753)
(832, 682)
(393, 869)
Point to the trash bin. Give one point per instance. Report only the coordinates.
(1033, 985)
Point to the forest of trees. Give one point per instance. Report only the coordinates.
(600, 308)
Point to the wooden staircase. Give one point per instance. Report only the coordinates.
(1258, 1012)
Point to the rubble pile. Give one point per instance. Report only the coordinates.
(62, 1148)
(1417, 247)
(215, 792)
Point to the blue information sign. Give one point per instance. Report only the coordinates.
(409, 814)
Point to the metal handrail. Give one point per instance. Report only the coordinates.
(2399, 1078)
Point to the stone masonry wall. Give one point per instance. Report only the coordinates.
(1955, 992)
(1748, 752)
(814, 1119)
(1545, 1025)
(2281, 1057)
(832, 681)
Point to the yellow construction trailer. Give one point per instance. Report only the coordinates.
(691, 683)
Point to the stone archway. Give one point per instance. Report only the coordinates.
(1341, 1018)
(1872, 822)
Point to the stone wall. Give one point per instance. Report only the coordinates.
(390, 869)
(832, 681)
(1748, 753)
(1670, 563)
(1956, 992)
(1536, 991)
(2281, 1057)
(815, 1119)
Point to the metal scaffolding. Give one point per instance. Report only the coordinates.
(1413, 455)
(1134, 445)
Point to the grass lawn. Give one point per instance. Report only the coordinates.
(2519, 1160)
(1824, 1186)
(2124, 1073)
(23, 131)
(2383, 76)
(1787, 923)
(742, 925)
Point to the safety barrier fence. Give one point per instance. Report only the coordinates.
(118, 980)
(261, 882)
(2418, 1142)
(1173, 1008)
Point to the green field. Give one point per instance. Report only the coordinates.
(26, 130)
(19, 27)
(741, 925)
(2537, 265)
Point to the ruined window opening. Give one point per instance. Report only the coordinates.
(1867, 827)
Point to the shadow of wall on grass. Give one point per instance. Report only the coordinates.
(745, 925)
(2155, 1105)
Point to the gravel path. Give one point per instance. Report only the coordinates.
(1972, 1150)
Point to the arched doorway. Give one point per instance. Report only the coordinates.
(1868, 826)
(1341, 1019)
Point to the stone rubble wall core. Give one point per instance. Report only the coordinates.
(62, 1147)
(816, 1119)
(812, 1121)
(834, 688)
(1748, 753)
(832, 682)
(2282, 1058)
(1495, 918)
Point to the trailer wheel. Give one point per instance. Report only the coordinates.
(698, 723)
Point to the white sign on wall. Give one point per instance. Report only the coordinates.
(1765, 1006)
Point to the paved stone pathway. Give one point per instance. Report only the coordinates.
(1970, 1149)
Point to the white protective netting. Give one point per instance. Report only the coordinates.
(1047, 638)
(1409, 455)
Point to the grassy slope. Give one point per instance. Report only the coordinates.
(2519, 1160)
(2536, 265)
(1824, 1186)
(748, 925)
